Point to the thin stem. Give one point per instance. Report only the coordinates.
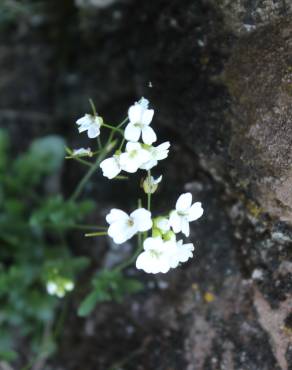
(122, 123)
(91, 170)
(149, 193)
(92, 107)
(100, 233)
(99, 143)
(122, 143)
(113, 128)
(129, 261)
(83, 161)
(121, 178)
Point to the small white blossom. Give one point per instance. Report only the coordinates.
(184, 213)
(82, 152)
(111, 167)
(59, 287)
(134, 157)
(123, 227)
(155, 258)
(162, 223)
(180, 252)
(156, 154)
(52, 288)
(150, 184)
(91, 124)
(140, 118)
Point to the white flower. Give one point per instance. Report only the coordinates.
(162, 223)
(134, 157)
(52, 287)
(140, 118)
(69, 285)
(150, 184)
(123, 227)
(82, 152)
(111, 167)
(91, 124)
(184, 213)
(179, 252)
(155, 257)
(156, 154)
(59, 287)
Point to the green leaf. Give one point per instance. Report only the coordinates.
(8, 355)
(50, 151)
(91, 300)
(108, 285)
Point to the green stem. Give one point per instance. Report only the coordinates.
(99, 143)
(122, 143)
(92, 107)
(113, 128)
(149, 193)
(91, 170)
(100, 233)
(83, 161)
(123, 122)
(132, 259)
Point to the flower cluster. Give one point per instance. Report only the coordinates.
(158, 249)
(59, 286)
(136, 155)
(161, 251)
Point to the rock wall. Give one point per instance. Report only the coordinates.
(219, 76)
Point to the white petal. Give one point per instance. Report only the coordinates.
(148, 165)
(130, 147)
(172, 253)
(116, 215)
(142, 219)
(185, 251)
(153, 243)
(184, 202)
(121, 231)
(151, 264)
(196, 211)
(128, 163)
(132, 133)
(175, 222)
(142, 156)
(135, 113)
(147, 116)
(85, 120)
(52, 288)
(164, 265)
(163, 224)
(161, 151)
(185, 226)
(148, 135)
(110, 167)
(144, 262)
(93, 131)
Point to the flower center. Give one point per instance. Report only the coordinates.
(138, 124)
(133, 153)
(155, 254)
(130, 222)
(182, 214)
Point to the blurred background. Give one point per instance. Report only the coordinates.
(213, 313)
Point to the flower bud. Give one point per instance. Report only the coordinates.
(150, 184)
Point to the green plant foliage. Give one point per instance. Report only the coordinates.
(107, 286)
(33, 243)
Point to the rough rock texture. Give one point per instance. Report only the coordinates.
(243, 16)
(259, 77)
(230, 307)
